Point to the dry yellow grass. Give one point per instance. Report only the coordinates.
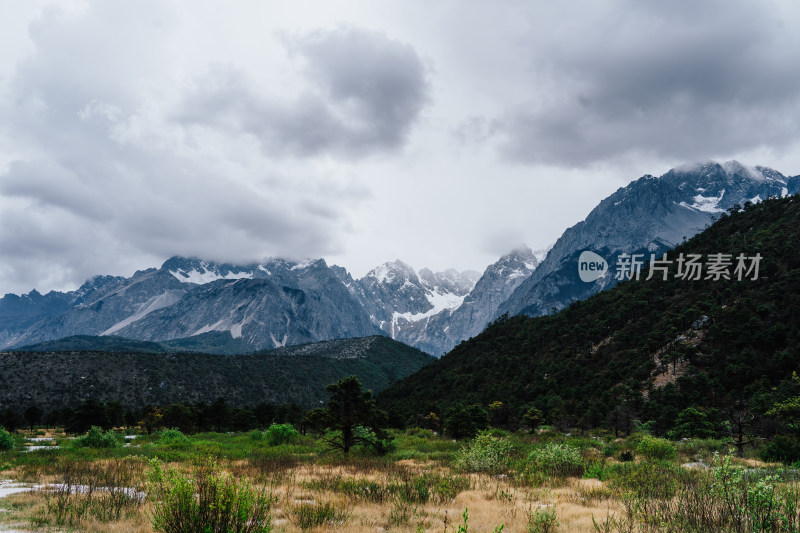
(491, 502)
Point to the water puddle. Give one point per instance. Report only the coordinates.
(9, 487)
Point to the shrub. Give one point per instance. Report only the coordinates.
(104, 491)
(596, 470)
(172, 436)
(208, 501)
(656, 448)
(783, 448)
(308, 515)
(485, 453)
(626, 456)
(97, 438)
(543, 520)
(6, 440)
(556, 460)
(278, 434)
(421, 433)
(646, 479)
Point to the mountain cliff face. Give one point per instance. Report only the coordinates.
(265, 306)
(651, 215)
(290, 304)
(105, 308)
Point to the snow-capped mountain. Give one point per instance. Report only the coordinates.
(397, 297)
(281, 302)
(273, 304)
(651, 215)
(444, 330)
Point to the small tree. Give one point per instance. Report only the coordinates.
(498, 414)
(152, 420)
(33, 415)
(740, 418)
(532, 418)
(351, 417)
(219, 413)
(693, 423)
(179, 416)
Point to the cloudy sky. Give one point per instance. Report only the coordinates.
(443, 133)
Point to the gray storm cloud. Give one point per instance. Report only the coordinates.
(682, 81)
(363, 93)
(119, 172)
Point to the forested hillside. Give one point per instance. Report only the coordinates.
(647, 349)
(53, 380)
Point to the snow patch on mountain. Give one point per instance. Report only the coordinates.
(277, 344)
(219, 325)
(302, 265)
(206, 275)
(161, 301)
(384, 273)
(707, 204)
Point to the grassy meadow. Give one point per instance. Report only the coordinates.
(280, 480)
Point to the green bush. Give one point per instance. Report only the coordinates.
(656, 448)
(783, 448)
(208, 501)
(543, 520)
(485, 453)
(421, 433)
(97, 438)
(595, 469)
(556, 461)
(172, 436)
(309, 515)
(645, 479)
(6, 440)
(704, 447)
(280, 434)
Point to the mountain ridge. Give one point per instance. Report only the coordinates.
(282, 302)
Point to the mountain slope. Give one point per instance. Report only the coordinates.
(53, 380)
(298, 304)
(108, 308)
(648, 348)
(651, 215)
(261, 306)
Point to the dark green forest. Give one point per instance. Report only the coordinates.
(296, 374)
